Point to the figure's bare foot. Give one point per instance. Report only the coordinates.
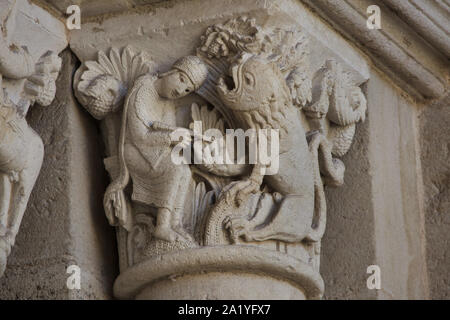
(183, 233)
(166, 234)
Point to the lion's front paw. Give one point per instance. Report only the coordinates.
(237, 227)
(240, 191)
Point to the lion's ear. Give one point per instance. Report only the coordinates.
(276, 68)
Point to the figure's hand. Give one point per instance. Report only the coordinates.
(187, 136)
(112, 202)
(184, 134)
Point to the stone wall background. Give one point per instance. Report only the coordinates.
(377, 217)
(435, 156)
(348, 243)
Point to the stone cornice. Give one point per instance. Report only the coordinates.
(419, 66)
(430, 19)
(412, 47)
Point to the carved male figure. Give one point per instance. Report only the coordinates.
(145, 146)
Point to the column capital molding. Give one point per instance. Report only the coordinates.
(411, 46)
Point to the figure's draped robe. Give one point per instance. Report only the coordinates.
(157, 180)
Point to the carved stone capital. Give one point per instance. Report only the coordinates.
(214, 224)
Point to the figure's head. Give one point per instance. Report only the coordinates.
(186, 76)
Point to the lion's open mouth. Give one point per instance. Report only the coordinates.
(225, 85)
(229, 87)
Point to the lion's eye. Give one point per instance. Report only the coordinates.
(249, 80)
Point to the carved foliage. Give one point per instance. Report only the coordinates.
(103, 84)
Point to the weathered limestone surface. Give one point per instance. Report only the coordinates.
(399, 48)
(429, 18)
(36, 28)
(384, 225)
(64, 222)
(435, 155)
(348, 244)
(396, 192)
